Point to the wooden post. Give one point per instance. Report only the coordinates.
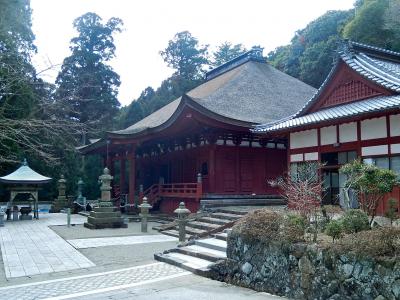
(132, 177)
(199, 187)
(211, 170)
(122, 170)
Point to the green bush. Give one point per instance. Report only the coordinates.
(297, 221)
(392, 210)
(355, 220)
(334, 229)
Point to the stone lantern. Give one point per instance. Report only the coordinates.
(144, 213)
(61, 201)
(105, 187)
(105, 215)
(182, 213)
(80, 199)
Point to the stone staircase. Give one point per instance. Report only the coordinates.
(199, 255)
(210, 223)
(207, 244)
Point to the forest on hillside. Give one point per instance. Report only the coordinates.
(44, 122)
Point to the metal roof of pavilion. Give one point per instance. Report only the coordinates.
(24, 174)
(378, 65)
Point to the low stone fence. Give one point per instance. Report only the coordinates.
(302, 271)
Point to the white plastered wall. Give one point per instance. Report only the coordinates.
(303, 139)
(296, 157)
(373, 128)
(374, 150)
(311, 156)
(395, 148)
(395, 125)
(348, 132)
(328, 135)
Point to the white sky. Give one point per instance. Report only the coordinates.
(150, 24)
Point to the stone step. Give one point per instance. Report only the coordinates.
(214, 220)
(232, 211)
(105, 220)
(174, 233)
(202, 252)
(96, 214)
(193, 264)
(194, 231)
(241, 201)
(225, 216)
(223, 236)
(203, 225)
(105, 209)
(212, 243)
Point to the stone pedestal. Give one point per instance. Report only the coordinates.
(105, 215)
(61, 201)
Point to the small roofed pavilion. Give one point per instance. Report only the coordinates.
(24, 180)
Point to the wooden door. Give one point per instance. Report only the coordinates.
(229, 173)
(246, 175)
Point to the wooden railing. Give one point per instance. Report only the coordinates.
(173, 190)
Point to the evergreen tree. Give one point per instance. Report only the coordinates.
(226, 52)
(186, 56)
(376, 22)
(310, 54)
(86, 84)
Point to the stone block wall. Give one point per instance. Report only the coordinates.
(302, 271)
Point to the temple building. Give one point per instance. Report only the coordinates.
(201, 145)
(354, 114)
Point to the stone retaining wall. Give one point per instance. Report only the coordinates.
(302, 271)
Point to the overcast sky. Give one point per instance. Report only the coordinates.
(150, 24)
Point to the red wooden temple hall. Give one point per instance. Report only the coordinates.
(207, 131)
(355, 113)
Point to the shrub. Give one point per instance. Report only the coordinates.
(355, 220)
(329, 211)
(334, 229)
(384, 241)
(392, 210)
(268, 226)
(297, 221)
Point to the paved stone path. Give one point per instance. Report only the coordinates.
(71, 287)
(30, 247)
(123, 240)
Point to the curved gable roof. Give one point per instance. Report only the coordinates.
(24, 174)
(377, 65)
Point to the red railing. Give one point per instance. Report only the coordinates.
(173, 190)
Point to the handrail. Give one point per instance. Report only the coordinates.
(176, 190)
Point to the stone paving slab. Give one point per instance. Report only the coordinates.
(30, 247)
(71, 287)
(116, 241)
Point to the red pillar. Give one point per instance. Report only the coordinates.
(132, 177)
(211, 170)
(122, 169)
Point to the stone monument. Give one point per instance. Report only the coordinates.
(105, 215)
(61, 201)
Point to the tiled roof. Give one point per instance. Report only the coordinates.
(375, 104)
(375, 64)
